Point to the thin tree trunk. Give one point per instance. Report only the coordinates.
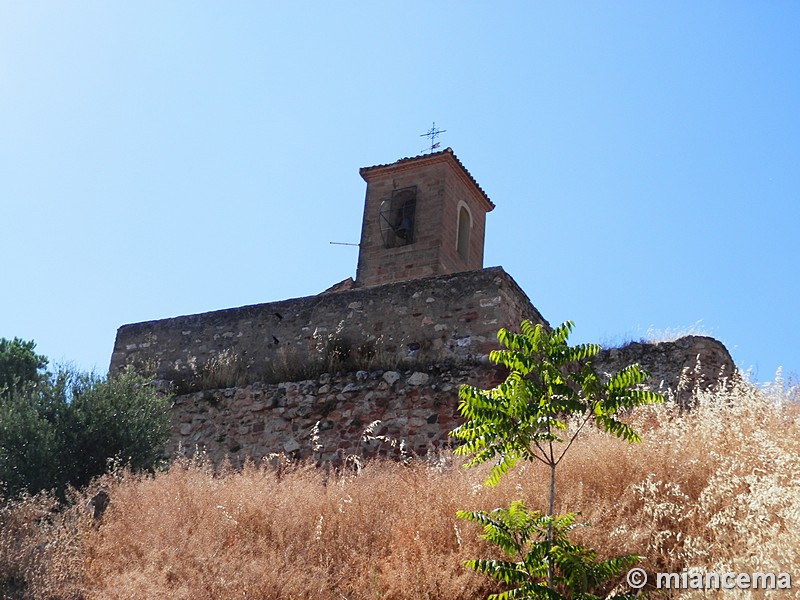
(550, 523)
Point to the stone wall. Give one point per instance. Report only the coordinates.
(417, 407)
(413, 343)
(683, 365)
(437, 320)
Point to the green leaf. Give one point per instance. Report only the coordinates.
(524, 534)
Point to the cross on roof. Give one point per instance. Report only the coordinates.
(433, 133)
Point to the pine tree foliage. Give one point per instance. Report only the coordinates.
(20, 366)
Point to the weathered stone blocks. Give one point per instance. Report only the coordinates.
(419, 415)
(680, 366)
(418, 407)
(438, 320)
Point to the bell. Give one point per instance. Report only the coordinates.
(403, 230)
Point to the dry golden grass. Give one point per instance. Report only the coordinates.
(40, 549)
(716, 488)
(187, 534)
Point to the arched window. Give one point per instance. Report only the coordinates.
(464, 229)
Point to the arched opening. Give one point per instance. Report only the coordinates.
(464, 229)
(397, 216)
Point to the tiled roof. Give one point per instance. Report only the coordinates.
(426, 157)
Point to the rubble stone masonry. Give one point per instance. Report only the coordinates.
(326, 418)
(436, 320)
(415, 408)
(427, 338)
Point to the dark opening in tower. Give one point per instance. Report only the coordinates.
(397, 215)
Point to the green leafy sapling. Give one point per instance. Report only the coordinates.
(549, 385)
(551, 393)
(523, 536)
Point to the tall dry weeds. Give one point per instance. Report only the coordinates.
(716, 488)
(41, 555)
(386, 533)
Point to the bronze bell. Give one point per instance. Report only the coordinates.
(403, 230)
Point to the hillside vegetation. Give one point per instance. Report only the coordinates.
(714, 488)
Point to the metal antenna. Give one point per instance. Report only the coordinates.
(344, 244)
(433, 133)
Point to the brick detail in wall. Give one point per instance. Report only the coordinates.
(442, 186)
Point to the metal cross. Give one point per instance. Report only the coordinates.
(433, 133)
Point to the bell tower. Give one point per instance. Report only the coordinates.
(423, 216)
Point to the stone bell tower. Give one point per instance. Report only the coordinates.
(423, 216)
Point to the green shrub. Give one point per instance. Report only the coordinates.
(120, 417)
(28, 444)
(65, 430)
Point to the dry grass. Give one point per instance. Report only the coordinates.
(717, 488)
(255, 535)
(40, 549)
(655, 335)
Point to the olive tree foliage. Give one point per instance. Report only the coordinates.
(29, 445)
(120, 417)
(64, 430)
(552, 392)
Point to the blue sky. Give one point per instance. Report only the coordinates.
(159, 159)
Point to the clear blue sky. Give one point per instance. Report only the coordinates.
(167, 158)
